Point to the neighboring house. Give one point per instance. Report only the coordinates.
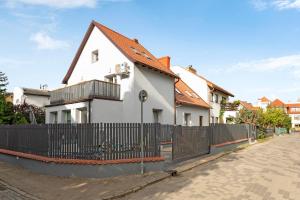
(263, 103)
(104, 80)
(277, 103)
(9, 97)
(293, 109)
(229, 115)
(211, 93)
(37, 97)
(191, 109)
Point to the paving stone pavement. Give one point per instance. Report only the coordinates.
(8, 192)
(266, 171)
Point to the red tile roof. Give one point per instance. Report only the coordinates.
(264, 99)
(185, 95)
(131, 48)
(277, 103)
(247, 105)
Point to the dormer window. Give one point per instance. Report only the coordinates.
(95, 56)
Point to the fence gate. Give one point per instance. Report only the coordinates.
(190, 141)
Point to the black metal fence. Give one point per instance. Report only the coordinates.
(104, 141)
(190, 141)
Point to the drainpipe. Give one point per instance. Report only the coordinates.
(89, 111)
(177, 80)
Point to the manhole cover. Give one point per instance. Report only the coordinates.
(2, 187)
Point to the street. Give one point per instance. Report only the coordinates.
(267, 171)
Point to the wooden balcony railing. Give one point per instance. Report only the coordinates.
(85, 90)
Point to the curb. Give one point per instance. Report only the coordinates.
(179, 169)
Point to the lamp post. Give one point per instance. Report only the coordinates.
(142, 97)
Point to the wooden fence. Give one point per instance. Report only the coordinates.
(104, 141)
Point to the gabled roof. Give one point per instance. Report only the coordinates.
(264, 99)
(209, 83)
(277, 103)
(185, 95)
(131, 48)
(247, 105)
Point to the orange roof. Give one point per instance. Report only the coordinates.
(293, 105)
(277, 103)
(247, 105)
(264, 99)
(185, 95)
(131, 48)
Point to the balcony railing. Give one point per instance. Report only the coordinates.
(85, 90)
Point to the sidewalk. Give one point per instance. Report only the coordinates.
(54, 188)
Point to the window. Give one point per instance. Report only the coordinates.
(187, 119)
(95, 56)
(66, 116)
(212, 97)
(200, 120)
(157, 115)
(212, 120)
(53, 117)
(82, 116)
(297, 117)
(217, 120)
(216, 98)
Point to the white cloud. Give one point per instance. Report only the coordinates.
(290, 63)
(60, 4)
(277, 4)
(44, 41)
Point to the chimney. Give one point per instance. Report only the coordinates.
(136, 40)
(165, 61)
(190, 68)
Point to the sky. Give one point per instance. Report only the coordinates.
(249, 47)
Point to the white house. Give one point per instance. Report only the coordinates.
(231, 114)
(37, 97)
(191, 109)
(211, 93)
(293, 109)
(263, 103)
(104, 80)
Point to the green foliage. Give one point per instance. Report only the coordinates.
(247, 116)
(275, 117)
(6, 111)
(3, 83)
(27, 111)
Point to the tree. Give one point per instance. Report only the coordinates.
(3, 83)
(247, 116)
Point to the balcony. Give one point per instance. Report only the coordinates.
(85, 91)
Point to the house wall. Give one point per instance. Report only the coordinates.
(195, 113)
(295, 120)
(199, 85)
(109, 56)
(160, 87)
(37, 100)
(196, 83)
(59, 109)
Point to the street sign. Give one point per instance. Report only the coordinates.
(143, 95)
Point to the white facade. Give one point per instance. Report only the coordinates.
(200, 86)
(20, 97)
(192, 115)
(160, 88)
(295, 121)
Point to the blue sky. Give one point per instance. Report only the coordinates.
(249, 47)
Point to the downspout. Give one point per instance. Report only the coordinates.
(90, 111)
(176, 81)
